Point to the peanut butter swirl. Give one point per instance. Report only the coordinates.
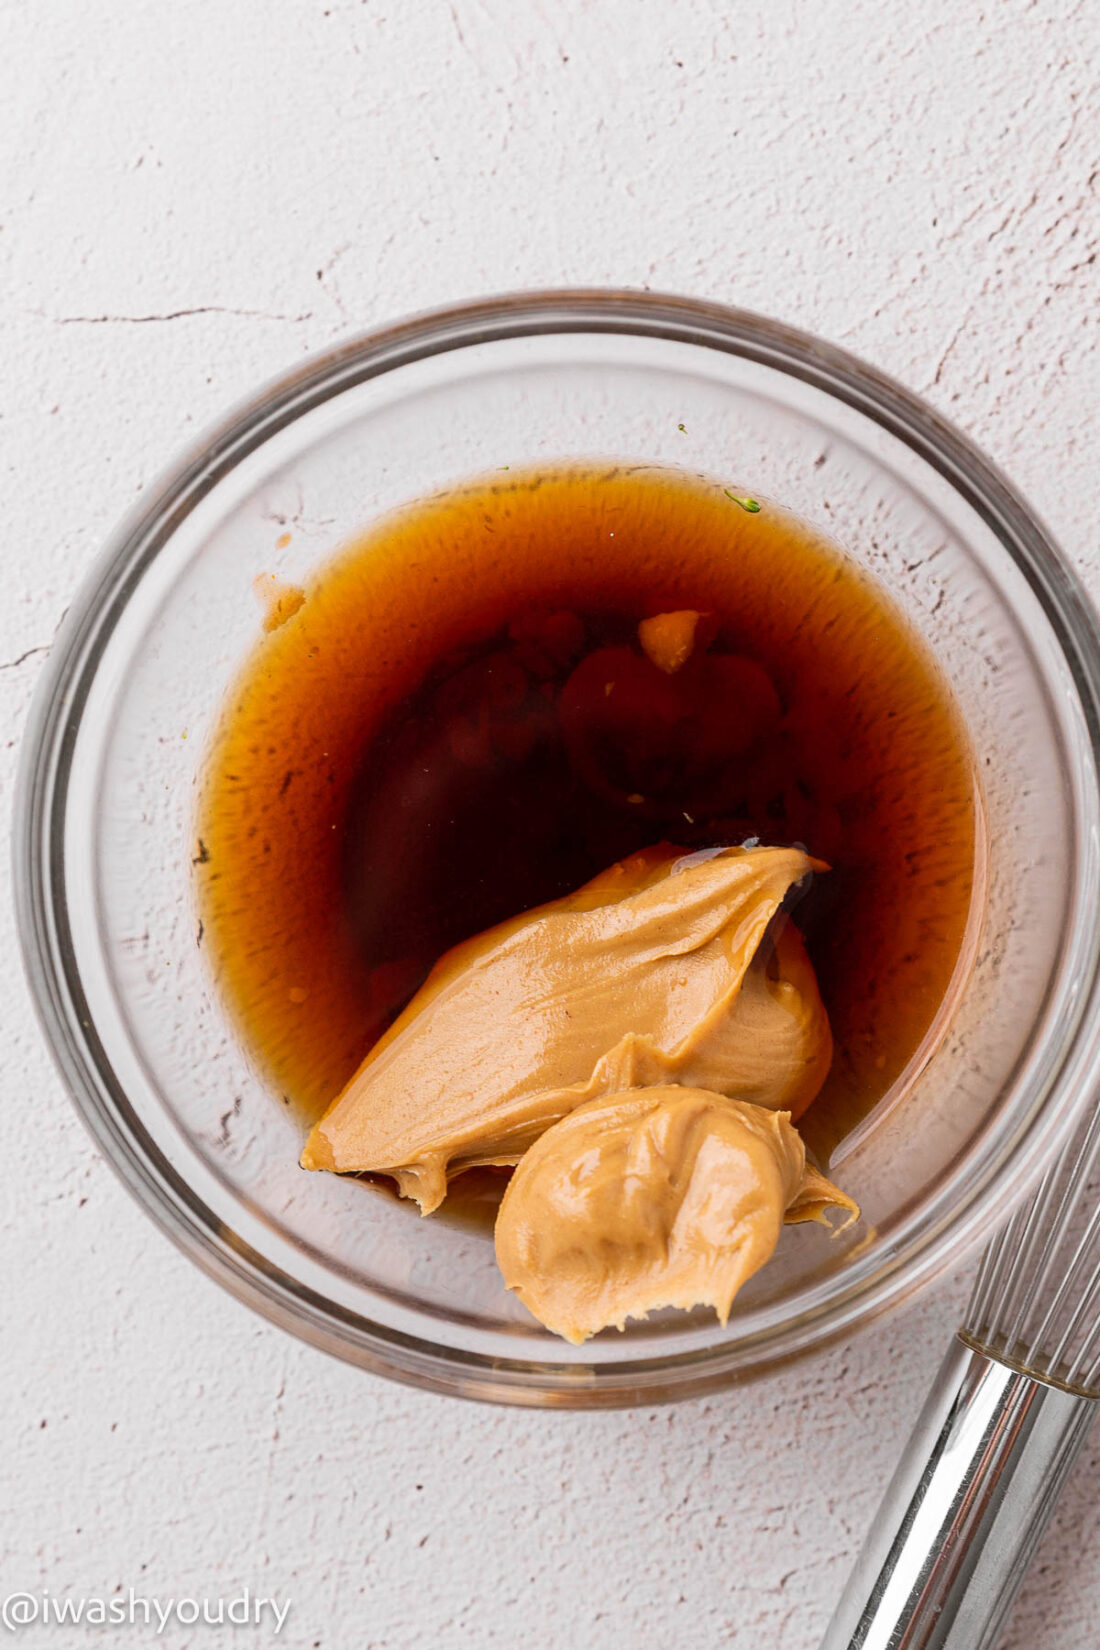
(653, 973)
(664, 1196)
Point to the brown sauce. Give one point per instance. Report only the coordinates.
(429, 744)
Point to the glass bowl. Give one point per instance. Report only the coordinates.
(126, 712)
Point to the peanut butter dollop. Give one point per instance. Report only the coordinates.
(644, 976)
(664, 1196)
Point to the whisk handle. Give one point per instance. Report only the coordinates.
(966, 1507)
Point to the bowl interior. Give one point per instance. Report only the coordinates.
(158, 1064)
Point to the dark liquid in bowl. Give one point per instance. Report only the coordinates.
(459, 723)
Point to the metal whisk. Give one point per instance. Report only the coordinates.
(1010, 1409)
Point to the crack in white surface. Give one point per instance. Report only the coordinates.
(949, 348)
(169, 315)
(31, 653)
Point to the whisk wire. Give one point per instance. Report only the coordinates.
(1079, 1261)
(1088, 1307)
(1069, 1297)
(1057, 1219)
(1002, 1258)
(1036, 1299)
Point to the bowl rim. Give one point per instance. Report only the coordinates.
(39, 876)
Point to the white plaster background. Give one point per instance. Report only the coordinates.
(191, 198)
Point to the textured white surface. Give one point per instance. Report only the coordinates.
(192, 197)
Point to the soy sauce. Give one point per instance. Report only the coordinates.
(459, 723)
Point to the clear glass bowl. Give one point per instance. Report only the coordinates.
(140, 674)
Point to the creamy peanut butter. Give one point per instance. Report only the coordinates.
(645, 976)
(774, 1047)
(663, 1196)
